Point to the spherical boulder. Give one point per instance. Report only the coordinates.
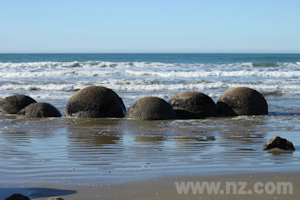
(13, 104)
(95, 102)
(151, 108)
(17, 197)
(39, 110)
(242, 101)
(193, 105)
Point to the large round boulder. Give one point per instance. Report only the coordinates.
(95, 102)
(13, 104)
(242, 101)
(17, 197)
(151, 108)
(40, 110)
(193, 105)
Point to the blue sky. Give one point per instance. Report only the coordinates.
(175, 26)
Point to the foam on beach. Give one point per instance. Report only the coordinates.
(49, 80)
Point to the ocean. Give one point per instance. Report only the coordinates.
(89, 151)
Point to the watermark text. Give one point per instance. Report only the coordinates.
(205, 187)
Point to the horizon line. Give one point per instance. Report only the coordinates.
(150, 53)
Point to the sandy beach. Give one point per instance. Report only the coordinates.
(164, 188)
(121, 159)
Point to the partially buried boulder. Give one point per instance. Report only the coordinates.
(17, 197)
(13, 104)
(40, 110)
(242, 101)
(280, 143)
(151, 108)
(193, 105)
(95, 102)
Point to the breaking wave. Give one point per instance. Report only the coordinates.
(60, 80)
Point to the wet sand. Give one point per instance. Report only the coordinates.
(78, 158)
(161, 188)
(94, 151)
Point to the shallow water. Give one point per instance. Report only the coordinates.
(91, 151)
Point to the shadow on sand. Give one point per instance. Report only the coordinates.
(33, 193)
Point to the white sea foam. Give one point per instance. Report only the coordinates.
(145, 73)
(216, 73)
(122, 65)
(60, 80)
(63, 73)
(146, 85)
(103, 69)
(40, 95)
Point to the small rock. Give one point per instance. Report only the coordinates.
(17, 197)
(210, 138)
(55, 198)
(278, 142)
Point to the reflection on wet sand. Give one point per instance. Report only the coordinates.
(94, 142)
(93, 132)
(103, 150)
(151, 140)
(196, 143)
